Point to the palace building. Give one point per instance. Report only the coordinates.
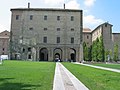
(42, 34)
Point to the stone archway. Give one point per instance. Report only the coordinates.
(73, 54)
(57, 53)
(43, 54)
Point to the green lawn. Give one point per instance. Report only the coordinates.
(114, 66)
(24, 75)
(95, 79)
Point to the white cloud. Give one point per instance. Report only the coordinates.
(69, 4)
(89, 3)
(91, 21)
(72, 4)
(53, 2)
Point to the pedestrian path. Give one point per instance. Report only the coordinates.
(99, 67)
(65, 80)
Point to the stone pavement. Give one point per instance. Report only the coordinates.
(65, 80)
(99, 67)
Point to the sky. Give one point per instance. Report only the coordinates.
(95, 12)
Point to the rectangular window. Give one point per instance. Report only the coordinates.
(31, 28)
(3, 49)
(58, 18)
(17, 17)
(72, 39)
(105, 24)
(72, 29)
(58, 29)
(45, 17)
(31, 17)
(44, 39)
(58, 39)
(45, 29)
(72, 18)
(87, 37)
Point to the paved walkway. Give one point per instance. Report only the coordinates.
(65, 80)
(99, 67)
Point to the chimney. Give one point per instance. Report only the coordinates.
(64, 5)
(28, 5)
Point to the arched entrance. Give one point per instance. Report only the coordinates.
(73, 54)
(43, 54)
(57, 54)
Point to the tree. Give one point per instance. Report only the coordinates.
(85, 51)
(101, 52)
(94, 51)
(89, 53)
(115, 53)
(98, 50)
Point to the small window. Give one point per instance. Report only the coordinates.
(105, 24)
(17, 17)
(58, 39)
(87, 37)
(45, 29)
(72, 18)
(31, 28)
(44, 39)
(29, 49)
(3, 49)
(58, 29)
(45, 17)
(72, 39)
(58, 18)
(31, 17)
(72, 29)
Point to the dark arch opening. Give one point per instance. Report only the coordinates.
(57, 54)
(73, 55)
(43, 54)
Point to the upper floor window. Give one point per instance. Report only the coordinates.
(45, 29)
(31, 17)
(58, 18)
(31, 28)
(58, 39)
(72, 18)
(72, 39)
(45, 17)
(58, 29)
(44, 39)
(87, 37)
(72, 29)
(105, 24)
(17, 17)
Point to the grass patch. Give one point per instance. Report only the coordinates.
(95, 79)
(114, 66)
(24, 75)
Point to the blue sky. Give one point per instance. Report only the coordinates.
(96, 12)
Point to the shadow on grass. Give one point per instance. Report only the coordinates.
(6, 85)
